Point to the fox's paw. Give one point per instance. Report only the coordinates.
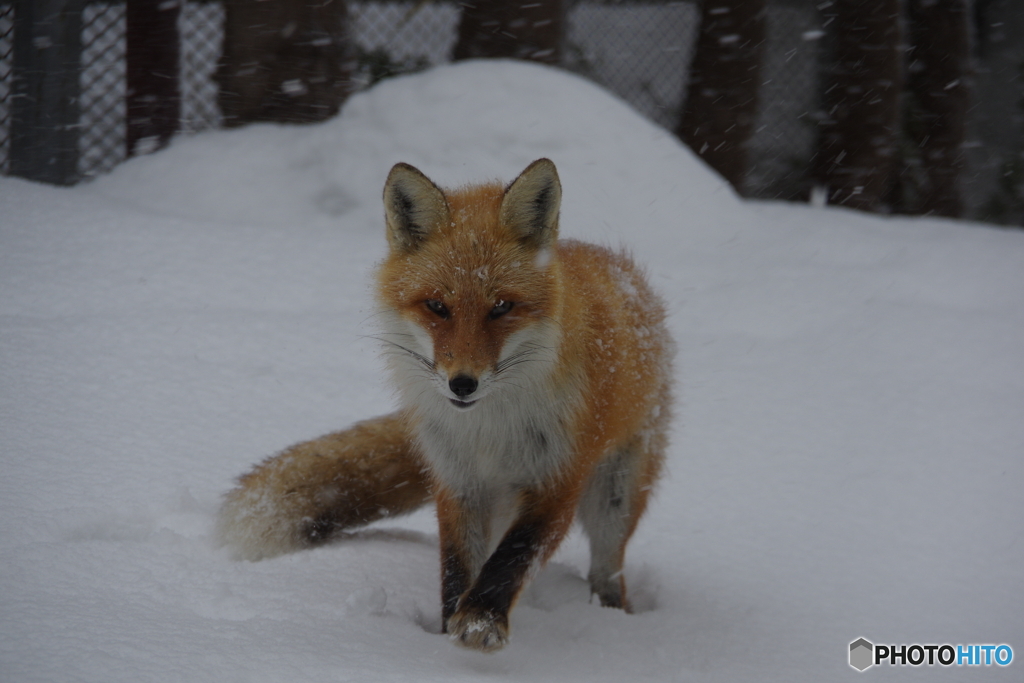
(611, 593)
(478, 631)
(615, 599)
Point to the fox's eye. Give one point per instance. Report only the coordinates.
(500, 309)
(437, 307)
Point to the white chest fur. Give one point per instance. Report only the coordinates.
(510, 440)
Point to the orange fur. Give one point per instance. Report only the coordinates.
(535, 383)
(311, 491)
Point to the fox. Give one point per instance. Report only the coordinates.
(534, 382)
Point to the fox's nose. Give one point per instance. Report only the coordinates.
(462, 385)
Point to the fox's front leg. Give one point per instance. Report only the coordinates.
(480, 619)
(465, 536)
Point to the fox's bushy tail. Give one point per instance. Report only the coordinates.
(304, 495)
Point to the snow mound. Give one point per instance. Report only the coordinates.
(468, 122)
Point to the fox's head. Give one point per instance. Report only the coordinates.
(469, 289)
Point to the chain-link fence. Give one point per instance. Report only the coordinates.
(201, 27)
(103, 87)
(101, 144)
(639, 50)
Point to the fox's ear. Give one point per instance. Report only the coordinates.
(531, 203)
(413, 207)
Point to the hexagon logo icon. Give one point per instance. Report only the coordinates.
(861, 654)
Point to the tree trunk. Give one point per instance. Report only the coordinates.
(722, 94)
(153, 53)
(284, 60)
(519, 30)
(860, 135)
(937, 79)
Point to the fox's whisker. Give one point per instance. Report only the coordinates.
(429, 364)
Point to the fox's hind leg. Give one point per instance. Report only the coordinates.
(612, 504)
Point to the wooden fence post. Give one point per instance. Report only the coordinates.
(44, 106)
(153, 52)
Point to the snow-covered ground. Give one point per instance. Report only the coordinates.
(848, 456)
